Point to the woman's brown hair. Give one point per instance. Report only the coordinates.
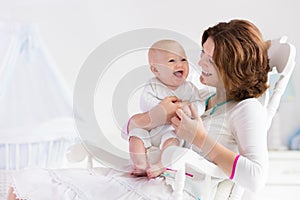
(241, 56)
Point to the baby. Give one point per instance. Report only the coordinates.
(169, 64)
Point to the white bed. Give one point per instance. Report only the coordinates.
(75, 184)
(116, 182)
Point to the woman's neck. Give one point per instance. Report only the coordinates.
(217, 100)
(219, 97)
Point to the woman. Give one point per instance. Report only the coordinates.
(231, 133)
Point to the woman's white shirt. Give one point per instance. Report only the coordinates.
(241, 127)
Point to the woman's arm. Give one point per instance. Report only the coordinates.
(247, 122)
(159, 115)
(193, 131)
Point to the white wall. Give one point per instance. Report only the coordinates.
(73, 28)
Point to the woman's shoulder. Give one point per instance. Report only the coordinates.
(250, 105)
(253, 102)
(247, 112)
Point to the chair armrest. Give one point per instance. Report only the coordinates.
(177, 157)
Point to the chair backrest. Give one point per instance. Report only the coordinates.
(282, 62)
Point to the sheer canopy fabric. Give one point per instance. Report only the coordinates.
(32, 91)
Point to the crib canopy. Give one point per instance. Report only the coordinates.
(32, 92)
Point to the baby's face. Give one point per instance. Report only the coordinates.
(170, 68)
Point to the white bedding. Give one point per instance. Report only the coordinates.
(108, 183)
(83, 184)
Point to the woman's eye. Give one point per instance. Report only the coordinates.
(202, 53)
(172, 60)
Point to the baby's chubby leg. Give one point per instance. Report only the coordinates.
(157, 169)
(138, 141)
(170, 142)
(138, 156)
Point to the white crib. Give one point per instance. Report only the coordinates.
(44, 147)
(36, 123)
(20, 153)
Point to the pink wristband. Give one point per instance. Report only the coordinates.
(234, 166)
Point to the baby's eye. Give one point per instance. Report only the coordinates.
(183, 60)
(171, 60)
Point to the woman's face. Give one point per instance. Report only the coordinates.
(210, 75)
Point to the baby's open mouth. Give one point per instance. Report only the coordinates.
(178, 73)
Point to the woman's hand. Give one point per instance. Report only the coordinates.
(190, 129)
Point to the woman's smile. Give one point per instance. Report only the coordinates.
(205, 73)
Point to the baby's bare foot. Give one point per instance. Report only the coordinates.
(138, 172)
(155, 171)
